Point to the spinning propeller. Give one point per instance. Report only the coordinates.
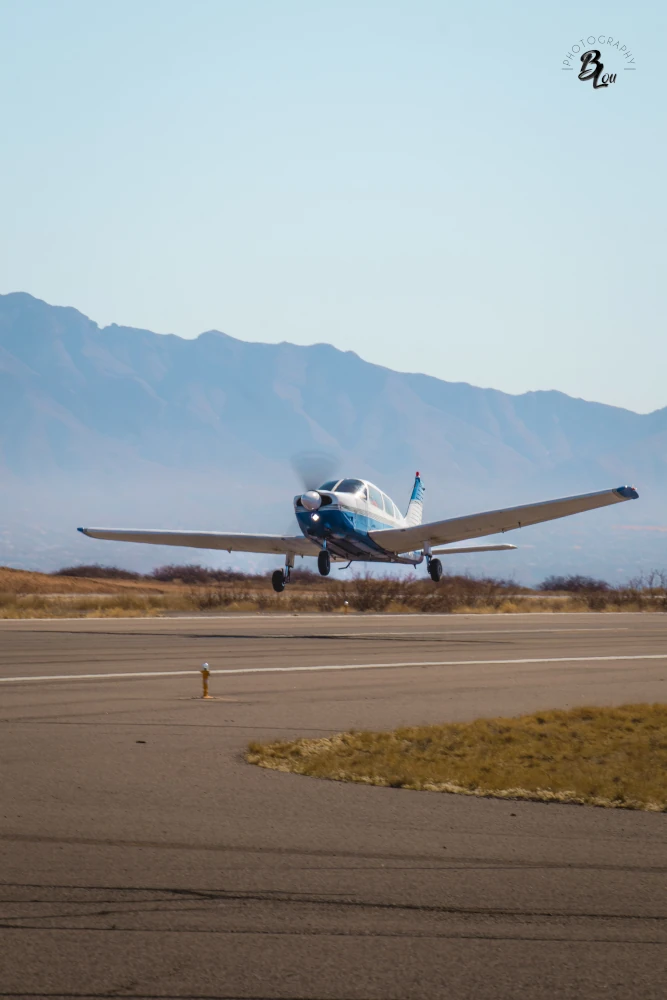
(313, 468)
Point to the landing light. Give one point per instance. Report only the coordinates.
(314, 517)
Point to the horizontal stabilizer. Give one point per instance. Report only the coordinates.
(471, 548)
(235, 541)
(459, 529)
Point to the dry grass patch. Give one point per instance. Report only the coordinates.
(21, 582)
(614, 757)
(77, 606)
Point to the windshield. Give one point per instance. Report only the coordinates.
(350, 486)
(329, 485)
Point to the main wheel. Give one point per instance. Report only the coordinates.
(435, 569)
(324, 563)
(278, 581)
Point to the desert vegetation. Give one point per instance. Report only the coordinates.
(573, 584)
(96, 590)
(614, 757)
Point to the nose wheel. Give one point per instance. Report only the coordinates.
(324, 563)
(435, 569)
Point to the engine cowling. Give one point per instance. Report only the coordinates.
(311, 500)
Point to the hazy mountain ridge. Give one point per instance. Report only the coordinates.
(119, 425)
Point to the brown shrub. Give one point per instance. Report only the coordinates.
(368, 593)
(98, 572)
(192, 574)
(453, 592)
(215, 598)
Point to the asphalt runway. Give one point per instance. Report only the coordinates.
(141, 856)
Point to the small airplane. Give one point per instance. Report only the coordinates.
(351, 520)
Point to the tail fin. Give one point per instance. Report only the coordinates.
(413, 514)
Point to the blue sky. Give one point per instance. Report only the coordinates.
(417, 182)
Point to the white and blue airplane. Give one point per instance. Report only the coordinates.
(351, 520)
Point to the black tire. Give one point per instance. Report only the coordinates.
(278, 581)
(435, 569)
(324, 563)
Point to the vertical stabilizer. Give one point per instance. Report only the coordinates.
(414, 512)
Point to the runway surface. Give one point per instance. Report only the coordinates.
(141, 856)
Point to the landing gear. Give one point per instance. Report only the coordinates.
(281, 576)
(435, 569)
(324, 563)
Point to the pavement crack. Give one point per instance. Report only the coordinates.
(215, 897)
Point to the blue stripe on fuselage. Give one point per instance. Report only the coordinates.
(347, 528)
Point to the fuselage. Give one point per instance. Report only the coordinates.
(350, 509)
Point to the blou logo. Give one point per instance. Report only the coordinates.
(591, 69)
(587, 57)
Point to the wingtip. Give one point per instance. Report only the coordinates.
(627, 492)
(82, 530)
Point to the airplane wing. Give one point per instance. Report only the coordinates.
(457, 529)
(232, 541)
(471, 548)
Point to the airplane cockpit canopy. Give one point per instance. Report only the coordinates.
(344, 485)
(351, 486)
(364, 490)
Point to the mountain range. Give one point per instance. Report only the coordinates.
(117, 426)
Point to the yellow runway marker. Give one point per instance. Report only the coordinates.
(205, 674)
